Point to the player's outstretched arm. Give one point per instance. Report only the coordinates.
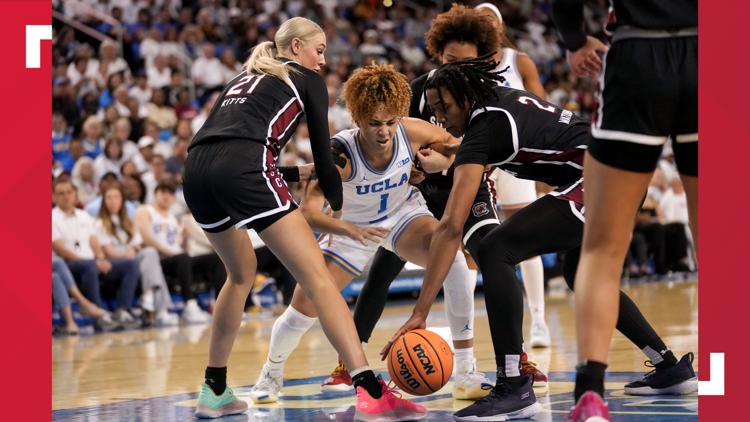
(422, 134)
(444, 245)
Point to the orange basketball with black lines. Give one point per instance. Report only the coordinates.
(420, 362)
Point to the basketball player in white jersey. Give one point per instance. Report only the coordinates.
(377, 160)
(513, 194)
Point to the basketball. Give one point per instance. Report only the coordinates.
(420, 362)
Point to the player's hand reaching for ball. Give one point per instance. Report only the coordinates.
(586, 60)
(416, 321)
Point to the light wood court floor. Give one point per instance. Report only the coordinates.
(155, 374)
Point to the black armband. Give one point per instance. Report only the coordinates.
(290, 174)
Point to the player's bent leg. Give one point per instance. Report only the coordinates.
(236, 252)
(301, 255)
(611, 200)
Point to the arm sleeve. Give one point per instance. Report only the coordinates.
(568, 17)
(489, 139)
(316, 108)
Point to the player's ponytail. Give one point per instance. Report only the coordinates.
(262, 58)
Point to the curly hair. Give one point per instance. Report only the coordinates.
(472, 81)
(462, 24)
(376, 86)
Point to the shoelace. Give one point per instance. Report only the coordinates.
(649, 364)
(390, 389)
(500, 389)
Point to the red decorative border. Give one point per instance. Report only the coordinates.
(25, 226)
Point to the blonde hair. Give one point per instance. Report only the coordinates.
(262, 58)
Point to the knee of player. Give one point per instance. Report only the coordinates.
(496, 249)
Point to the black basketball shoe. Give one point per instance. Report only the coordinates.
(504, 402)
(677, 380)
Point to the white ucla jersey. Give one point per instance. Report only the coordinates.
(165, 230)
(509, 68)
(371, 195)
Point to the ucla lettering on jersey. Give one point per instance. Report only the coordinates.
(371, 194)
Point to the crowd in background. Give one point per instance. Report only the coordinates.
(133, 80)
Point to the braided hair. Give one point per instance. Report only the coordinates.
(467, 80)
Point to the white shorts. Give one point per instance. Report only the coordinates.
(353, 256)
(513, 193)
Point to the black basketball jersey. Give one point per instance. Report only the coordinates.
(265, 110)
(527, 137)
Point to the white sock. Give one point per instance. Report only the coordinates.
(533, 282)
(287, 331)
(358, 371)
(458, 289)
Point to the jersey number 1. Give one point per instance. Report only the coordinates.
(383, 202)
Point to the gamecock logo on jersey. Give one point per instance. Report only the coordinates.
(479, 209)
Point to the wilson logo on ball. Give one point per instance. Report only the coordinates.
(406, 375)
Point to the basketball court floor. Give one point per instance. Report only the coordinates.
(154, 375)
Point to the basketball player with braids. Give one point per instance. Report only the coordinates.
(377, 159)
(232, 183)
(517, 132)
(519, 72)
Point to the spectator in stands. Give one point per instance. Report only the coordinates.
(84, 67)
(141, 90)
(64, 100)
(372, 45)
(110, 62)
(119, 239)
(184, 107)
(63, 287)
(137, 120)
(648, 238)
(158, 73)
(93, 207)
(121, 133)
(230, 67)
(175, 163)
(84, 178)
(107, 96)
(74, 240)
(60, 138)
(134, 189)
(207, 71)
(161, 230)
(339, 117)
(160, 112)
(198, 121)
(205, 261)
(111, 160)
(128, 169)
(411, 52)
(121, 101)
(109, 120)
(92, 136)
(142, 159)
(673, 204)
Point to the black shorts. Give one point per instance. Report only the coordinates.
(648, 93)
(222, 192)
(483, 211)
